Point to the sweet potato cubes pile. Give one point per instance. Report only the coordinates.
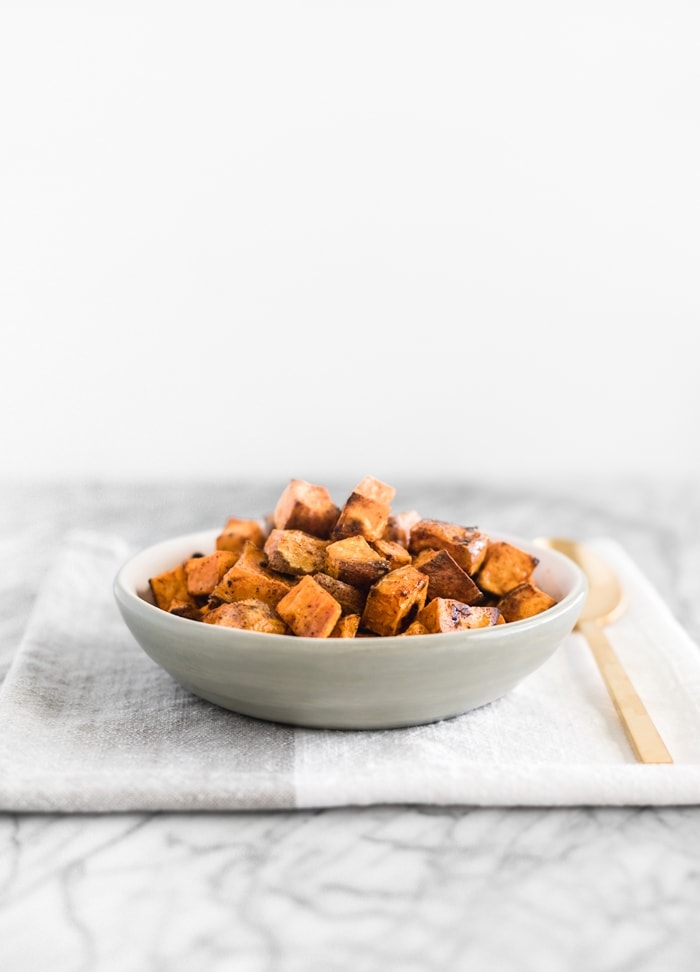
(316, 570)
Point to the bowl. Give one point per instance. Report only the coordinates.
(346, 683)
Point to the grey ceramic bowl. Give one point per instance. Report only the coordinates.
(345, 683)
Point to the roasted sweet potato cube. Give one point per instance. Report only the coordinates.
(309, 610)
(351, 599)
(398, 527)
(397, 555)
(204, 573)
(185, 609)
(505, 567)
(375, 489)
(366, 511)
(251, 577)
(170, 586)
(346, 627)
(237, 531)
(306, 506)
(466, 545)
(352, 560)
(362, 516)
(415, 628)
(446, 614)
(446, 577)
(525, 601)
(249, 614)
(394, 600)
(295, 552)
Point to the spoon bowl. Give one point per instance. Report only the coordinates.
(605, 603)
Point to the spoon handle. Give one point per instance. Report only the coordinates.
(644, 738)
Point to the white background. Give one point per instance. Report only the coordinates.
(294, 239)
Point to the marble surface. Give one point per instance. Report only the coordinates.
(385, 887)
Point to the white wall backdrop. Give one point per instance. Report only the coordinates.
(301, 238)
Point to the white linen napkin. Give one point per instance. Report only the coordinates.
(88, 723)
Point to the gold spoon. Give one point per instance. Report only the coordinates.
(603, 604)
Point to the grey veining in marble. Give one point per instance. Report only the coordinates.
(404, 889)
(401, 889)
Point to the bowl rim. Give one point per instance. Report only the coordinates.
(129, 600)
